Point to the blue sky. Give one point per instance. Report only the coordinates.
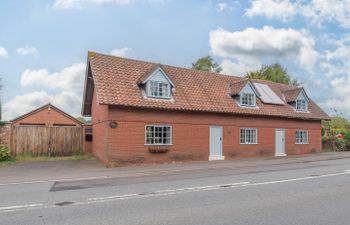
(44, 43)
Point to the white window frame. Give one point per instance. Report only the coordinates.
(300, 139)
(252, 100)
(153, 89)
(301, 105)
(245, 140)
(154, 130)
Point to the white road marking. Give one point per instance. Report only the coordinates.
(51, 180)
(165, 192)
(18, 207)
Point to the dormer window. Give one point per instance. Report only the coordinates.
(248, 99)
(301, 105)
(158, 89)
(157, 85)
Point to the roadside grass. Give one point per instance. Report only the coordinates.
(29, 157)
(328, 150)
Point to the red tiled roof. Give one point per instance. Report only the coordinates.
(116, 83)
(292, 94)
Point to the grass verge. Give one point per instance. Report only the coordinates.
(28, 157)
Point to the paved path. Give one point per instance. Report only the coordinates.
(314, 189)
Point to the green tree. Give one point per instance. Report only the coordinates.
(208, 64)
(274, 72)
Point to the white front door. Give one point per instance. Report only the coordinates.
(280, 142)
(215, 143)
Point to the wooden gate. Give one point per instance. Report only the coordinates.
(48, 141)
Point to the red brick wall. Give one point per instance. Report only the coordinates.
(99, 120)
(5, 134)
(47, 117)
(125, 144)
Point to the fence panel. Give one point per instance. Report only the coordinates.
(43, 140)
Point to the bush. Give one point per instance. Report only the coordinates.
(340, 145)
(5, 153)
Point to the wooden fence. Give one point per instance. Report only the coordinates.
(48, 141)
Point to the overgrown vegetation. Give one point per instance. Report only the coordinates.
(5, 153)
(28, 157)
(336, 134)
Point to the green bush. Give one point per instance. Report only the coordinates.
(340, 145)
(5, 153)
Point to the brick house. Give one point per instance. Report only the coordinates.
(147, 112)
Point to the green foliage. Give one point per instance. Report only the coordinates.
(274, 72)
(208, 64)
(5, 153)
(337, 125)
(341, 144)
(81, 119)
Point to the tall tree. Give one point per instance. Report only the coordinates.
(274, 72)
(208, 64)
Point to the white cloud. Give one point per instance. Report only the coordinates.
(79, 4)
(272, 9)
(65, 91)
(321, 11)
(70, 78)
(3, 52)
(220, 7)
(122, 52)
(252, 45)
(27, 50)
(335, 64)
(316, 11)
(226, 6)
(69, 102)
(237, 68)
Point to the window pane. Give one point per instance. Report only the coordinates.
(248, 99)
(158, 134)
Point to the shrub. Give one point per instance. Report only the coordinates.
(5, 153)
(340, 144)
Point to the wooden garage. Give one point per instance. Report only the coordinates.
(48, 131)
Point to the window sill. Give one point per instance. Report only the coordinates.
(154, 97)
(301, 143)
(154, 145)
(248, 143)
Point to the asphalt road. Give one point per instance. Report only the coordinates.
(300, 193)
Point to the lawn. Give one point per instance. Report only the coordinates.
(28, 157)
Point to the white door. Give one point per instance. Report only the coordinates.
(215, 143)
(280, 142)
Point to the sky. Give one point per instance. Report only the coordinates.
(44, 43)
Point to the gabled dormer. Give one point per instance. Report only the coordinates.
(157, 84)
(298, 99)
(245, 93)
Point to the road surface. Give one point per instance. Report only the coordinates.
(303, 192)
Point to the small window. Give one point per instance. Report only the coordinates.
(248, 99)
(301, 105)
(248, 135)
(88, 137)
(301, 137)
(158, 89)
(158, 135)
